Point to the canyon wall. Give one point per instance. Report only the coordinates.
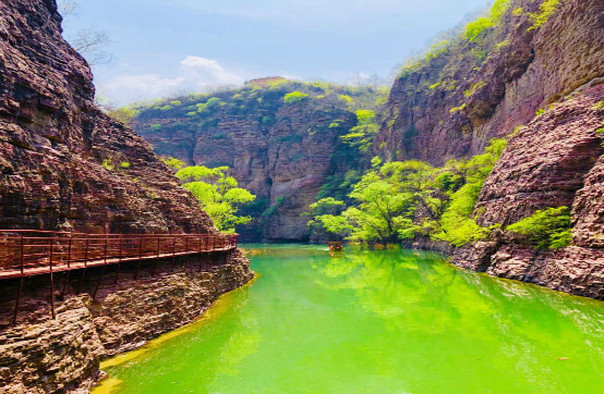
(64, 164)
(543, 88)
(283, 152)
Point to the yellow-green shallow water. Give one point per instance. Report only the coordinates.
(374, 322)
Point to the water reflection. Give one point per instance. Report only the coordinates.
(419, 295)
(378, 322)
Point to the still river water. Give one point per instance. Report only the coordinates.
(374, 322)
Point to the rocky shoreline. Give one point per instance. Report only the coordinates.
(42, 355)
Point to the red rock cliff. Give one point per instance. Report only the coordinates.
(452, 102)
(64, 163)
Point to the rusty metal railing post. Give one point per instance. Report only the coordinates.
(119, 259)
(140, 257)
(155, 263)
(22, 267)
(85, 264)
(98, 283)
(52, 286)
(67, 274)
(173, 253)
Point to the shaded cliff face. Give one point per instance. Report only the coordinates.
(64, 163)
(450, 103)
(549, 78)
(284, 152)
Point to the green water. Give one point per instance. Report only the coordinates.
(377, 322)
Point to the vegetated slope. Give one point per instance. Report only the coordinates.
(64, 163)
(533, 63)
(281, 139)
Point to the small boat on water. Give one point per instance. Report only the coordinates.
(335, 246)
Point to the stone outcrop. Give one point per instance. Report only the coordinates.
(450, 104)
(556, 160)
(64, 164)
(282, 152)
(42, 355)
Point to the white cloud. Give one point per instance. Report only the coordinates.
(194, 74)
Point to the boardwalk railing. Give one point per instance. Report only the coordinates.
(27, 253)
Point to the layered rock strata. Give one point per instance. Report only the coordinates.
(64, 164)
(42, 355)
(450, 104)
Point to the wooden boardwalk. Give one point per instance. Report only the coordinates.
(28, 253)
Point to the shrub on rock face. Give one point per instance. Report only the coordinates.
(294, 97)
(548, 228)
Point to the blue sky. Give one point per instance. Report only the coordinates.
(164, 47)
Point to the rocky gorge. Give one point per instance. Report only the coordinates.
(66, 165)
(539, 83)
(285, 152)
(530, 71)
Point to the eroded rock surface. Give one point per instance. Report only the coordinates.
(42, 355)
(549, 78)
(63, 163)
(282, 152)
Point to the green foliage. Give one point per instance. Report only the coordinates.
(294, 97)
(598, 106)
(547, 9)
(457, 226)
(361, 136)
(458, 109)
(212, 104)
(474, 88)
(434, 52)
(402, 200)
(173, 163)
(125, 164)
(279, 201)
(108, 164)
(547, 228)
(124, 114)
(218, 194)
(477, 29)
(540, 112)
(385, 202)
(346, 98)
(327, 222)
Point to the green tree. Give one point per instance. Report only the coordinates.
(402, 200)
(457, 224)
(326, 213)
(361, 136)
(173, 163)
(385, 204)
(218, 194)
(547, 228)
(294, 97)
